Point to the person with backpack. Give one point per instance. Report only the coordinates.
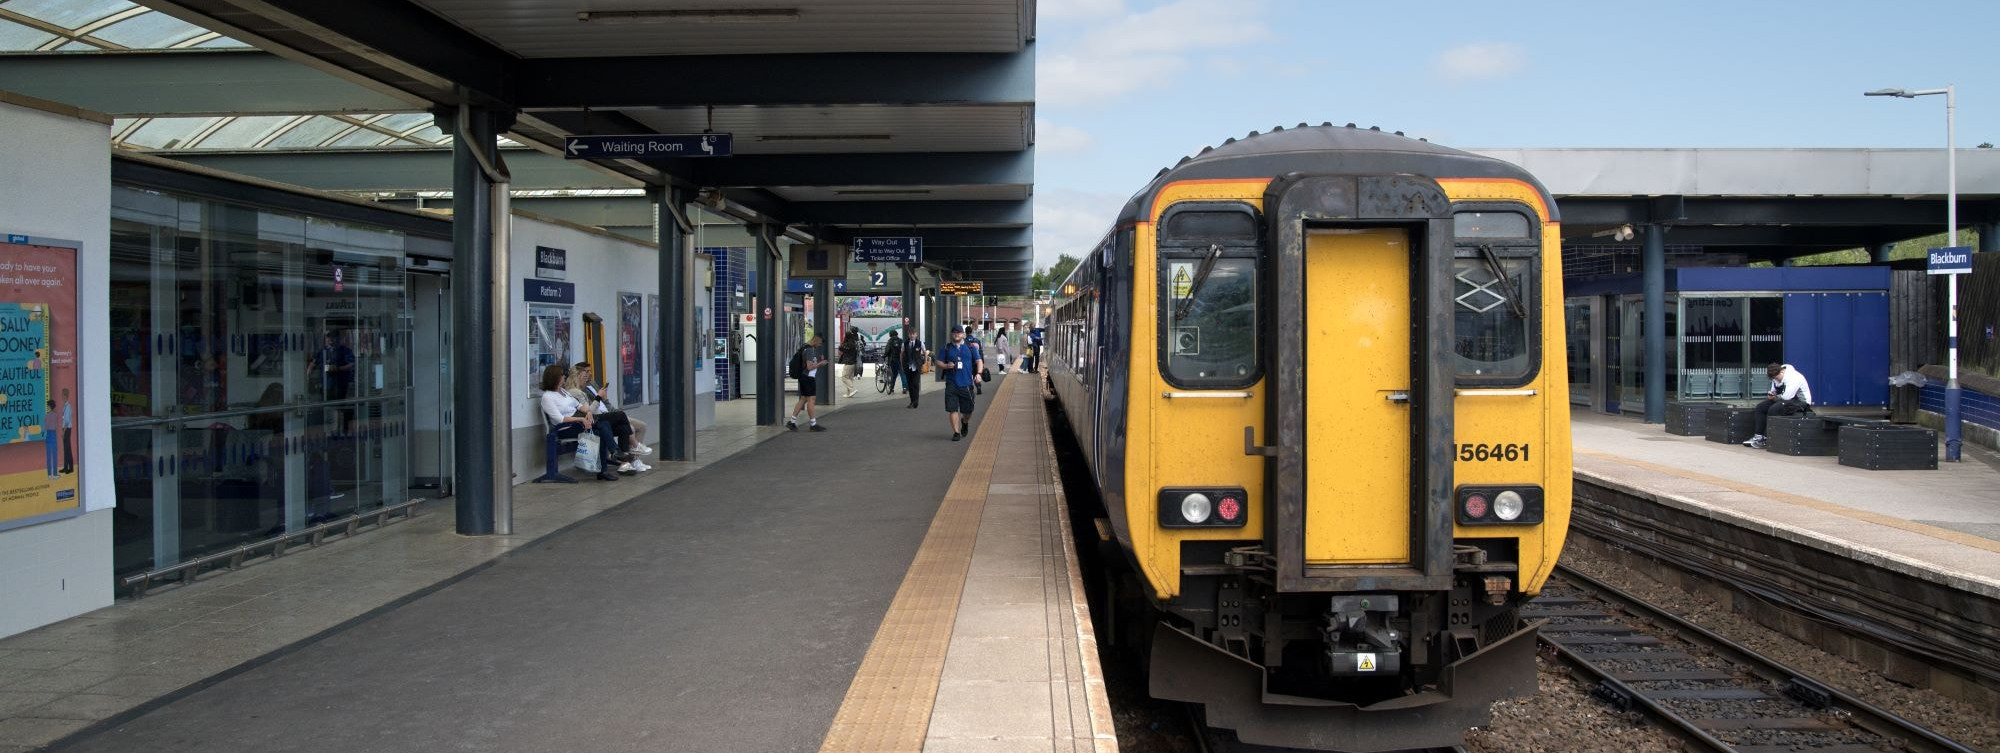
(805, 366)
(978, 354)
(915, 363)
(850, 359)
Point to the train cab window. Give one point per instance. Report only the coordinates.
(1209, 301)
(1494, 298)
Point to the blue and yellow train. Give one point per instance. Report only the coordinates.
(1309, 371)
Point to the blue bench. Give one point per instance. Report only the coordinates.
(556, 446)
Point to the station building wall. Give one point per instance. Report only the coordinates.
(600, 265)
(61, 188)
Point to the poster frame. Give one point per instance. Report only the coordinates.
(80, 425)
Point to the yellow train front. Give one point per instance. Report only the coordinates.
(1311, 374)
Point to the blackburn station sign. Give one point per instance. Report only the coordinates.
(1950, 260)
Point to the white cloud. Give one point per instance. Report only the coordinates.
(1068, 221)
(1145, 49)
(1070, 9)
(1484, 60)
(1051, 138)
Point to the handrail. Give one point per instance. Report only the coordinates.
(117, 423)
(191, 569)
(1173, 395)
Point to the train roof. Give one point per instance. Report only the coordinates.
(1327, 148)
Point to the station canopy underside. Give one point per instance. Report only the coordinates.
(848, 117)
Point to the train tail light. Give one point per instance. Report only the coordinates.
(1499, 505)
(1211, 507)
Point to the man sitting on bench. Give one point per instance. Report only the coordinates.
(1789, 396)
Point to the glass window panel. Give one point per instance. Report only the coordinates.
(69, 14)
(17, 38)
(1210, 226)
(220, 42)
(244, 131)
(401, 122)
(231, 481)
(1577, 315)
(167, 133)
(1493, 319)
(308, 134)
(361, 137)
(428, 134)
(79, 47)
(149, 31)
(1211, 328)
(132, 479)
(1490, 225)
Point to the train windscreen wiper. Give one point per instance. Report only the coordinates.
(1200, 277)
(1506, 285)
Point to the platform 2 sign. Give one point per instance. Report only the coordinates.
(649, 146)
(1951, 260)
(972, 287)
(888, 250)
(41, 418)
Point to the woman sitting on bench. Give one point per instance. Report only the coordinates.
(571, 420)
(1790, 395)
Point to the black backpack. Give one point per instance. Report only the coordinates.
(797, 368)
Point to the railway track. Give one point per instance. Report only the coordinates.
(1713, 692)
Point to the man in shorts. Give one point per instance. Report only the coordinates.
(811, 359)
(961, 366)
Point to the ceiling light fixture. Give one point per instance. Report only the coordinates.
(692, 16)
(827, 137)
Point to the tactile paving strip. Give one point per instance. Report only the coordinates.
(888, 706)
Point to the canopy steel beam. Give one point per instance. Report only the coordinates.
(1754, 211)
(791, 79)
(191, 83)
(394, 169)
(899, 169)
(896, 216)
(394, 42)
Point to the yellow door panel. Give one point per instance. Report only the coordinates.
(1357, 357)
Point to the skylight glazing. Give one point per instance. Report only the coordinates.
(97, 25)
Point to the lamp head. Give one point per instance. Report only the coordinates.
(1904, 93)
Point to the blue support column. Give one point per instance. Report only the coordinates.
(676, 351)
(1989, 237)
(1880, 254)
(829, 334)
(482, 494)
(770, 311)
(1654, 262)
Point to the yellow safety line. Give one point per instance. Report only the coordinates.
(888, 706)
(1932, 531)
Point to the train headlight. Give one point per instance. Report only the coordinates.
(1195, 508)
(1512, 504)
(1207, 507)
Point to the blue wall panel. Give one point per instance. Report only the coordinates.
(1871, 349)
(1801, 350)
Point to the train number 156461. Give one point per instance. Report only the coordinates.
(1490, 452)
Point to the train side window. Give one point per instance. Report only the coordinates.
(1495, 301)
(1209, 298)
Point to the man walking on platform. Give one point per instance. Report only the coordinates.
(961, 366)
(805, 367)
(914, 361)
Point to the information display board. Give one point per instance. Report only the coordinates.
(971, 287)
(40, 415)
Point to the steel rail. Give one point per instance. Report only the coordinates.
(1797, 684)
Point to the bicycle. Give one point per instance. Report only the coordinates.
(885, 381)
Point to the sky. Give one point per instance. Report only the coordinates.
(1126, 87)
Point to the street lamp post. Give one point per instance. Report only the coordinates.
(1952, 393)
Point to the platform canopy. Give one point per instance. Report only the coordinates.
(848, 117)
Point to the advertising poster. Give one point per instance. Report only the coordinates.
(548, 341)
(631, 348)
(659, 342)
(39, 414)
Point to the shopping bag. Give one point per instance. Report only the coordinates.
(587, 457)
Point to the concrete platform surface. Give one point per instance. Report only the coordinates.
(1943, 525)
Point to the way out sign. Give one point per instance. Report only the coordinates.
(1950, 260)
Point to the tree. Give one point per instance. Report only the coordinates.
(1054, 274)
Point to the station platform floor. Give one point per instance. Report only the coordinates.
(872, 587)
(1942, 525)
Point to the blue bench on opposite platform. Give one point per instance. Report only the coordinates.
(556, 446)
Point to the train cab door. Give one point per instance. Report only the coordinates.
(1357, 343)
